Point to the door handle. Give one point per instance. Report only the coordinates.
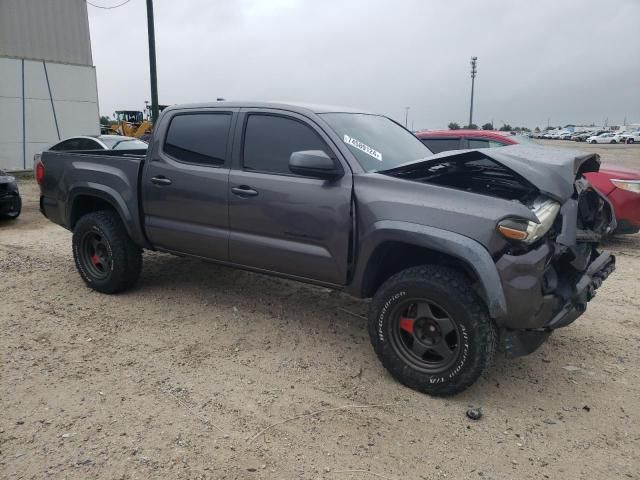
(244, 191)
(161, 180)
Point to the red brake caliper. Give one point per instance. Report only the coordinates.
(406, 324)
(94, 259)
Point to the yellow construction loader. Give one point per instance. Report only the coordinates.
(130, 123)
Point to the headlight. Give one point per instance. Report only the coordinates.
(526, 231)
(629, 185)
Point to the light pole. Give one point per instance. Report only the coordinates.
(406, 116)
(152, 62)
(474, 70)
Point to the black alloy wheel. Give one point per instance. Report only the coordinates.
(95, 254)
(425, 336)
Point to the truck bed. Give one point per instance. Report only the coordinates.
(113, 174)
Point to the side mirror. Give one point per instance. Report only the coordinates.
(314, 163)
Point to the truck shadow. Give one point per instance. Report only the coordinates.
(276, 305)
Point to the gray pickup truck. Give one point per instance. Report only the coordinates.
(463, 253)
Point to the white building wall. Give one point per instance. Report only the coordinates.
(10, 114)
(51, 30)
(59, 101)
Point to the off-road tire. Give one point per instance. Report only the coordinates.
(125, 256)
(452, 291)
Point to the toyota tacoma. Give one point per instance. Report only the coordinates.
(463, 253)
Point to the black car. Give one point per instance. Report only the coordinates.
(10, 201)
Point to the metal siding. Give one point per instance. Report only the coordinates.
(10, 73)
(73, 89)
(52, 30)
(10, 114)
(77, 118)
(72, 82)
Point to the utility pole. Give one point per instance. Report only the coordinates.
(406, 116)
(474, 70)
(152, 62)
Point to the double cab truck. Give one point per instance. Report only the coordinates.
(463, 253)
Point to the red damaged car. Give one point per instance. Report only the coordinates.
(620, 185)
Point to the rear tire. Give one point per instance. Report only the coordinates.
(430, 331)
(107, 259)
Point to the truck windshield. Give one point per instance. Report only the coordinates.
(377, 142)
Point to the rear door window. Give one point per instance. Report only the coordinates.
(437, 145)
(199, 138)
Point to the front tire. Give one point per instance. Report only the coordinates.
(430, 331)
(107, 259)
(593, 142)
(16, 208)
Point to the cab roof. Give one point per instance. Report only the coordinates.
(290, 106)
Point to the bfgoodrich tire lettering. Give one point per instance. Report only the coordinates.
(107, 259)
(456, 340)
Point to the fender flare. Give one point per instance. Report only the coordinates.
(113, 198)
(469, 251)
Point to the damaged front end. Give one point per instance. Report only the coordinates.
(548, 285)
(550, 265)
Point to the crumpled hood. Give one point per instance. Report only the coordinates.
(553, 171)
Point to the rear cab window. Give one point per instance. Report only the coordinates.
(199, 138)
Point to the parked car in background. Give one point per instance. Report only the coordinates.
(582, 136)
(606, 137)
(620, 185)
(98, 142)
(566, 136)
(557, 135)
(576, 135)
(10, 201)
(459, 252)
(630, 137)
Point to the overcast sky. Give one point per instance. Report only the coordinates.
(570, 61)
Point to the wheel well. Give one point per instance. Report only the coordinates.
(393, 257)
(83, 204)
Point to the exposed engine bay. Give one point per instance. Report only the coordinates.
(484, 173)
(472, 172)
(572, 218)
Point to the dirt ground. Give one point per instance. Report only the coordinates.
(201, 371)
